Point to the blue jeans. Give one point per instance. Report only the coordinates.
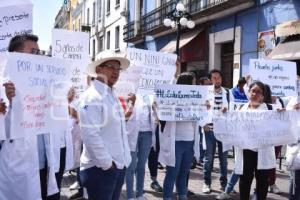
(184, 154)
(209, 154)
(232, 181)
(295, 188)
(137, 165)
(103, 184)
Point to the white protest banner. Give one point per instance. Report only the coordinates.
(128, 81)
(279, 75)
(157, 68)
(41, 89)
(182, 102)
(14, 20)
(255, 129)
(73, 46)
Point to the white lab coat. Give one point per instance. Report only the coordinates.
(56, 137)
(167, 143)
(19, 170)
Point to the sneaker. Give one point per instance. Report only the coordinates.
(156, 187)
(74, 186)
(274, 189)
(76, 196)
(160, 166)
(222, 196)
(206, 189)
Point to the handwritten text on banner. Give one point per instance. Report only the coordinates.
(73, 46)
(157, 68)
(14, 20)
(182, 102)
(250, 130)
(279, 75)
(41, 89)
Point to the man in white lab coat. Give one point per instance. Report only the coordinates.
(106, 152)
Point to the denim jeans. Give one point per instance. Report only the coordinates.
(211, 143)
(232, 181)
(103, 184)
(137, 165)
(184, 154)
(153, 156)
(295, 185)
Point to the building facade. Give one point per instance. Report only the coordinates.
(227, 33)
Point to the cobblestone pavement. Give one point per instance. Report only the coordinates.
(195, 184)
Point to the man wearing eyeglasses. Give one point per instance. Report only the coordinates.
(19, 160)
(106, 152)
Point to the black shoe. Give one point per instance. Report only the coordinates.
(190, 193)
(156, 187)
(76, 196)
(160, 166)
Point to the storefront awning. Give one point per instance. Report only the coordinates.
(287, 28)
(286, 51)
(184, 39)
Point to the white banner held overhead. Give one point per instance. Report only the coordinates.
(14, 20)
(256, 129)
(182, 102)
(73, 46)
(157, 68)
(41, 89)
(279, 75)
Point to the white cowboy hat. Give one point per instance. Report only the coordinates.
(104, 57)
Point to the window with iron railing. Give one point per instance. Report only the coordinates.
(100, 44)
(94, 13)
(117, 38)
(108, 7)
(108, 40)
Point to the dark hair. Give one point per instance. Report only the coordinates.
(260, 85)
(17, 42)
(215, 71)
(186, 78)
(202, 79)
(268, 95)
(242, 81)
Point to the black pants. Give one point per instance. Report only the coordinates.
(249, 170)
(58, 176)
(153, 156)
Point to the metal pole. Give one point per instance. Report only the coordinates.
(178, 37)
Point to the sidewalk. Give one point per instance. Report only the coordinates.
(195, 184)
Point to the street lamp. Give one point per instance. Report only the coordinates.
(178, 18)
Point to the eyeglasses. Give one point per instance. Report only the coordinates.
(257, 92)
(38, 52)
(114, 66)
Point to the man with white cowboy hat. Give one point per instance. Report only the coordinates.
(106, 152)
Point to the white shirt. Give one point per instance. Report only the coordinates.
(184, 131)
(102, 124)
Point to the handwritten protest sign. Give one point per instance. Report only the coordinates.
(182, 102)
(157, 68)
(128, 81)
(73, 46)
(255, 129)
(14, 20)
(41, 90)
(279, 75)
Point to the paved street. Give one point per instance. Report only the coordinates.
(195, 184)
